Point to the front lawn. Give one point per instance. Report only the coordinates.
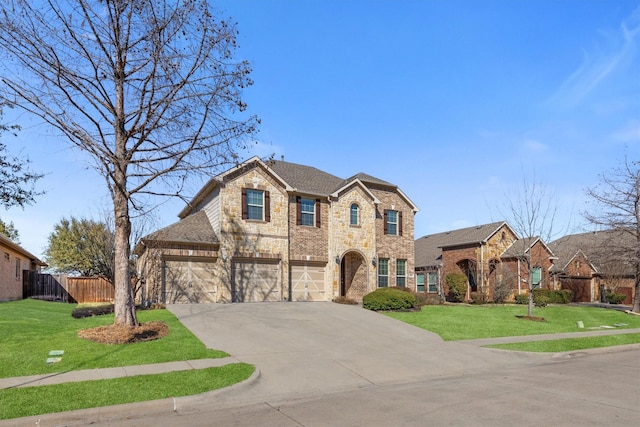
(461, 322)
(33, 328)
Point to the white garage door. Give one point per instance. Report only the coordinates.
(255, 281)
(188, 282)
(307, 283)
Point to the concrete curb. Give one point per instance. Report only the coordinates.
(167, 407)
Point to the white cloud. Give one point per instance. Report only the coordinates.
(620, 47)
(534, 146)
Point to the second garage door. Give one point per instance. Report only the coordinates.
(307, 283)
(255, 281)
(187, 281)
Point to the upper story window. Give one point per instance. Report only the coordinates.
(393, 222)
(401, 272)
(354, 214)
(255, 205)
(308, 212)
(383, 273)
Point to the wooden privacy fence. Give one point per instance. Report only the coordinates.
(68, 289)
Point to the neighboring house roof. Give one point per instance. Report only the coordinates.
(597, 247)
(428, 249)
(6, 242)
(522, 246)
(194, 229)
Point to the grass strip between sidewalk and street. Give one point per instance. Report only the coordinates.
(570, 344)
(29, 401)
(462, 322)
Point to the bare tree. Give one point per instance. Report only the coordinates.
(532, 212)
(16, 181)
(617, 207)
(149, 89)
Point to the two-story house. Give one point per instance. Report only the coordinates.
(274, 231)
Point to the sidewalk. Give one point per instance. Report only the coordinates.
(159, 368)
(108, 373)
(547, 337)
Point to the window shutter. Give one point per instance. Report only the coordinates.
(298, 211)
(318, 211)
(267, 206)
(386, 225)
(400, 223)
(244, 203)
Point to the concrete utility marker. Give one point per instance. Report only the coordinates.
(54, 356)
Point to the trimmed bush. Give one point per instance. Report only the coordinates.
(541, 300)
(522, 299)
(345, 300)
(89, 311)
(614, 298)
(479, 298)
(457, 283)
(564, 296)
(389, 299)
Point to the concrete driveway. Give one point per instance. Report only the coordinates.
(305, 349)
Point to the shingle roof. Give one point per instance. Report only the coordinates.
(596, 245)
(369, 179)
(519, 247)
(428, 249)
(194, 228)
(5, 241)
(306, 179)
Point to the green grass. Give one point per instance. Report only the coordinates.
(32, 328)
(29, 401)
(489, 321)
(571, 344)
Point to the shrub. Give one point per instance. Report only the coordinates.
(89, 311)
(502, 290)
(424, 298)
(614, 298)
(479, 298)
(564, 296)
(389, 299)
(540, 300)
(457, 283)
(522, 299)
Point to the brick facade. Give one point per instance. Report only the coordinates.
(344, 254)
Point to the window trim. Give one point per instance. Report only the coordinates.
(354, 209)
(266, 205)
(385, 262)
(401, 277)
(435, 284)
(397, 223)
(317, 211)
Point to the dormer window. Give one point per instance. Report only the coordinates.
(354, 214)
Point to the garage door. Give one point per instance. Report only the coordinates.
(256, 281)
(307, 283)
(188, 282)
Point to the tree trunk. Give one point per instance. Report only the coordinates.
(636, 298)
(124, 309)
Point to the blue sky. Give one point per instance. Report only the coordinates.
(454, 101)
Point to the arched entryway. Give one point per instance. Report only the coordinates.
(469, 268)
(353, 275)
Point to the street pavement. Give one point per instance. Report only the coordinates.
(329, 364)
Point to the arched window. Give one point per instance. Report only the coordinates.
(354, 214)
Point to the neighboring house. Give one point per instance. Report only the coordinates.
(594, 263)
(15, 260)
(274, 230)
(490, 255)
